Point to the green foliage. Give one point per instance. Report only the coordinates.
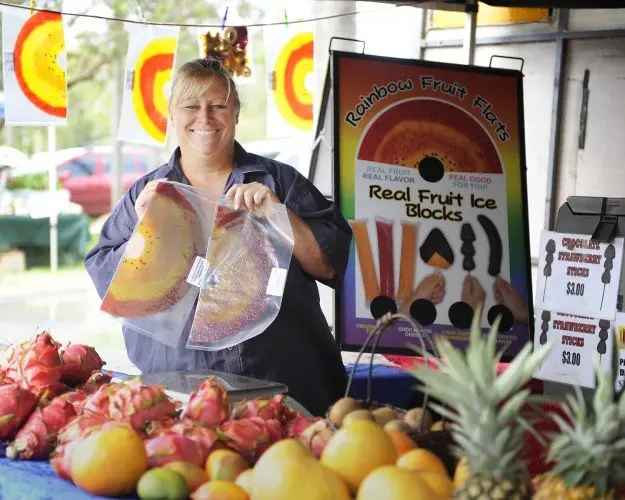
(38, 182)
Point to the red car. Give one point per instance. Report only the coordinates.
(86, 174)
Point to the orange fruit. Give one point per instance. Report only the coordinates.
(220, 490)
(402, 441)
(109, 462)
(461, 473)
(422, 460)
(225, 465)
(439, 483)
(392, 482)
(193, 475)
(246, 480)
(355, 450)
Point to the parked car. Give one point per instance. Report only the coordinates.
(86, 172)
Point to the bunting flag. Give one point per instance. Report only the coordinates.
(149, 66)
(289, 54)
(34, 63)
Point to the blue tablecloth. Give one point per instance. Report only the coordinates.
(35, 480)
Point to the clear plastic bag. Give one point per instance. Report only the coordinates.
(149, 291)
(248, 259)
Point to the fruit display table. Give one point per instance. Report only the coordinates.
(33, 236)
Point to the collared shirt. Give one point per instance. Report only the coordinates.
(297, 349)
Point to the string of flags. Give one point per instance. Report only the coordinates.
(35, 76)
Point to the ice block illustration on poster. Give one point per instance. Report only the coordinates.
(430, 176)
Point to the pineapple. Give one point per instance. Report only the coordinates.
(589, 450)
(486, 426)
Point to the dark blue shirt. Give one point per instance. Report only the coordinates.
(297, 349)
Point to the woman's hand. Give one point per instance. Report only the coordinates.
(145, 196)
(251, 196)
(472, 292)
(506, 295)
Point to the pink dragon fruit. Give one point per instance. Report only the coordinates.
(80, 427)
(9, 357)
(79, 362)
(96, 379)
(169, 446)
(37, 438)
(295, 427)
(250, 436)
(316, 436)
(209, 404)
(16, 405)
(158, 426)
(99, 401)
(39, 367)
(265, 408)
(141, 404)
(77, 399)
(204, 437)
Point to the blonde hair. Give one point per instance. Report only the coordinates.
(195, 77)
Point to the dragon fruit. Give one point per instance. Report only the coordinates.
(316, 436)
(16, 404)
(37, 438)
(265, 408)
(39, 367)
(141, 404)
(209, 404)
(9, 357)
(250, 436)
(99, 401)
(77, 399)
(169, 446)
(78, 428)
(158, 426)
(95, 380)
(204, 437)
(79, 362)
(295, 427)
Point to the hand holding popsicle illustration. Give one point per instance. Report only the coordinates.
(506, 295)
(472, 292)
(431, 288)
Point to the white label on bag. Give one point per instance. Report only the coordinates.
(277, 280)
(620, 372)
(198, 272)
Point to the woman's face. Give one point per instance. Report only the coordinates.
(206, 125)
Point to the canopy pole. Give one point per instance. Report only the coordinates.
(52, 179)
(470, 27)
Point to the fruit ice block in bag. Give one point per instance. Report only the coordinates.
(149, 291)
(248, 258)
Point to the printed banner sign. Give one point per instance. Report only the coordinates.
(289, 53)
(431, 178)
(577, 275)
(149, 63)
(34, 65)
(577, 343)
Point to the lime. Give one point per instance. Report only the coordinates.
(162, 483)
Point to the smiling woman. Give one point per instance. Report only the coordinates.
(297, 349)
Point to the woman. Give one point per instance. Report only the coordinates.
(297, 349)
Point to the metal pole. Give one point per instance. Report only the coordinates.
(54, 236)
(423, 25)
(10, 135)
(470, 27)
(117, 185)
(556, 122)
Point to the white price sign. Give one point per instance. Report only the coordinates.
(577, 275)
(620, 364)
(577, 343)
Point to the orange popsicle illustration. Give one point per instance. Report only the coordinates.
(386, 257)
(408, 260)
(365, 257)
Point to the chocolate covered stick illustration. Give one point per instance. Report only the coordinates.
(608, 264)
(496, 247)
(408, 260)
(550, 247)
(468, 248)
(544, 326)
(384, 229)
(602, 347)
(436, 251)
